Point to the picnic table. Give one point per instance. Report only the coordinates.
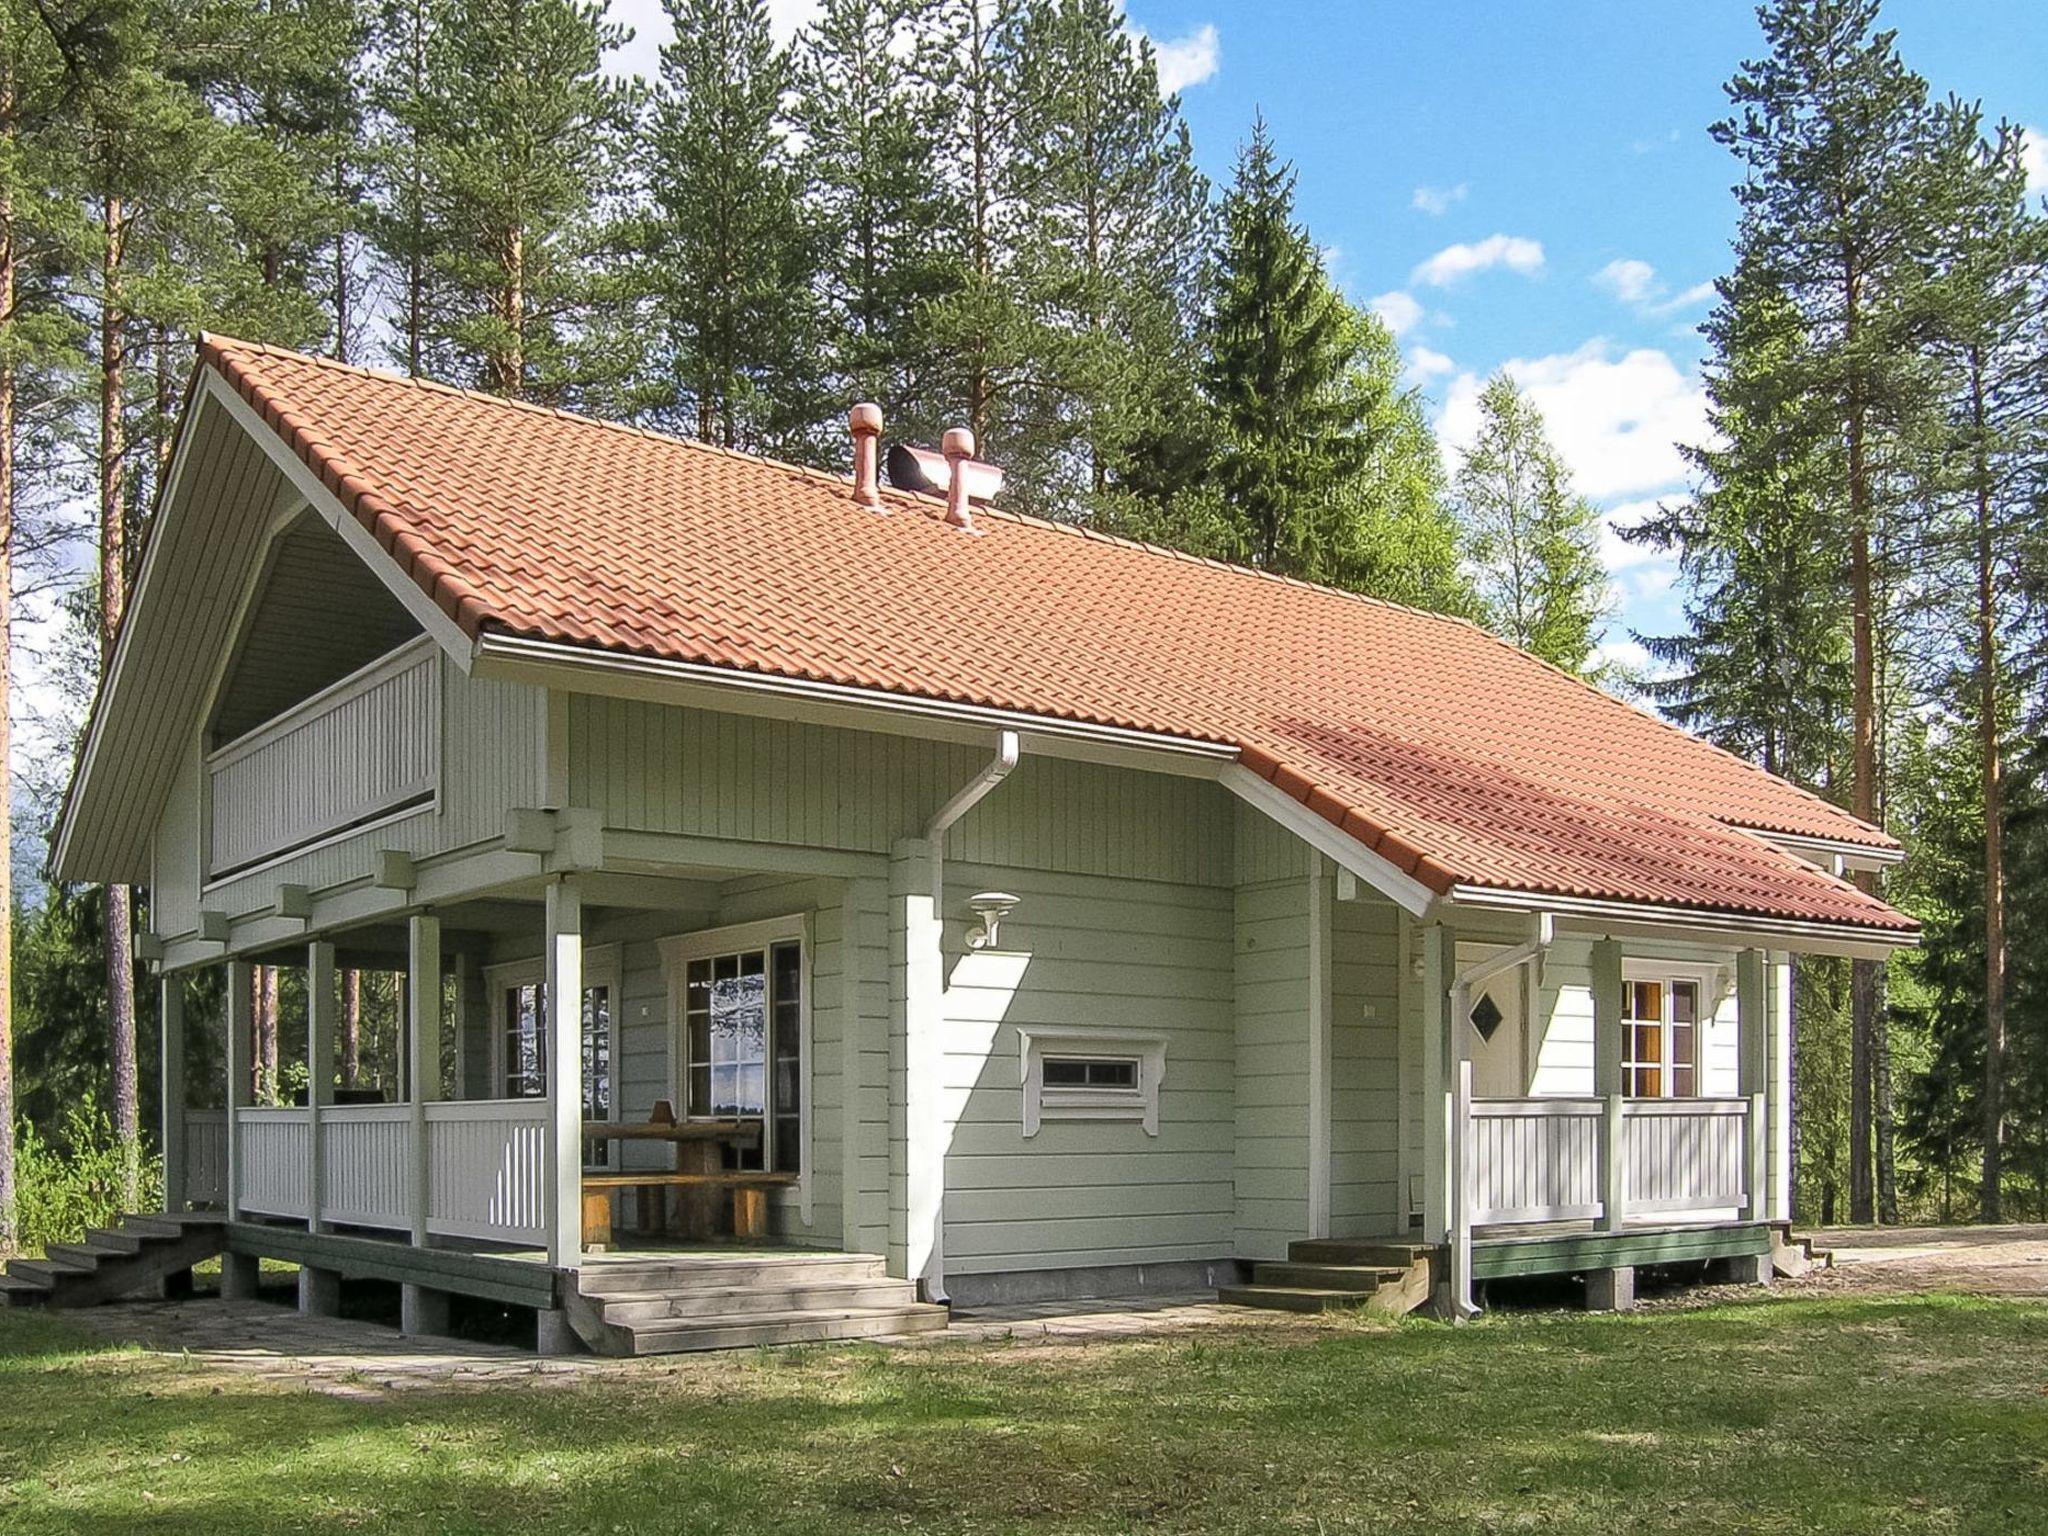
(699, 1177)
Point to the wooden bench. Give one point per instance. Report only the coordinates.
(749, 1198)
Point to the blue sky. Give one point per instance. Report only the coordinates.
(1526, 185)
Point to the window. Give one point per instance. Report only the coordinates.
(742, 1019)
(521, 1046)
(1090, 1074)
(1660, 1025)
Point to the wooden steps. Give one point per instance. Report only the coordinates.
(657, 1305)
(1384, 1278)
(139, 1254)
(1793, 1256)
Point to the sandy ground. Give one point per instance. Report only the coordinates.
(1987, 1261)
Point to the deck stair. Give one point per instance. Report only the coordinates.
(1793, 1255)
(1388, 1279)
(657, 1304)
(137, 1254)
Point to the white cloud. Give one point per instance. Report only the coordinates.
(1636, 284)
(1187, 61)
(2034, 158)
(1454, 262)
(1436, 201)
(1618, 420)
(1426, 363)
(1399, 312)
(786, 18)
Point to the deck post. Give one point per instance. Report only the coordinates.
(171, 1011)
(565, 1072)
(1439, 963)
(1320, 923)
(1752, 1056)
(1607, 1083)
(321, 1007)
(917, 995)
(241, 1013)
(423, 1052)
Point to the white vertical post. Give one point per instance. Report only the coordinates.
(917, 926)
(171, 1011)
(1320, 920)
(1461, 1154)
(565, 1072)
(1607, 1081)
(321, 1005)
(1439, 962)
(1752, 1058)
(241, 1012)
(423, 1051)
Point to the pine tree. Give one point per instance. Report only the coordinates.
(870, 123)
(1533, 538)
(729, 257)
(1834, 134)
(1281, 344)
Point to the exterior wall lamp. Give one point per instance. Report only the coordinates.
(991, 907)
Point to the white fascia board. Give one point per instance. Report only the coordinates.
(1640, 920)
(1823, 852)
(359, 539)
(1399, 887)
(585, 669)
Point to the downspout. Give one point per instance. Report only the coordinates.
(1530, 951)
(925, 1044)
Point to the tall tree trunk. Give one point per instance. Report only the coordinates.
(113, 596)
(1991, 1199)
(351, 1028)
(341, 272)
(1793, 1068)
(1864, 1000)
(263, 979)
(7, 1223)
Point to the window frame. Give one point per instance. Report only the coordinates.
(677, 951)
(1669, 976)
(1036, 1043)
(601, 968)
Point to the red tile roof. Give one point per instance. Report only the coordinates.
(1451, 754)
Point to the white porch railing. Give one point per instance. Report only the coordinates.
(206, 1156)
(1539, 1159)
(485, 1167)
(366, 746)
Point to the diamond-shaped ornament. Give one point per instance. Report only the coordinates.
(1486, 1016)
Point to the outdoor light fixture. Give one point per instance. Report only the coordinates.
(991, 907)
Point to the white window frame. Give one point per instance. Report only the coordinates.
(1063, 1042)
(677, 951)
(1708, 979)
(601, 968)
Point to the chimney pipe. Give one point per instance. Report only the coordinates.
(865, 422)
(958, 444)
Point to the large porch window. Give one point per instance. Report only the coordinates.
(742, 1025)
(1660, 1025)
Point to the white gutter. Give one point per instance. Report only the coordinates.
(965, 799)
(1824, 937)
(1830, 853)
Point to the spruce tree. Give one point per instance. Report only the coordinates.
(729, 259)
(1533, 538)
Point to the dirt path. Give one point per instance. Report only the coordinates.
(1987, 1261)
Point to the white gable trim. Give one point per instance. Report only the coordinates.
(1346, 851)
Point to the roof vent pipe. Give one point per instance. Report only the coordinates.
(865, 422)
(958, 444)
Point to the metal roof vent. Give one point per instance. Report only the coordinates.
(955, 474)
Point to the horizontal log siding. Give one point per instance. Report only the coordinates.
(657, 768)
(1270, 941)
(1365, 1098)
(1088, 951)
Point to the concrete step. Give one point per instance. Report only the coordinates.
(1362, 1253)
(677, 1335)
(601, 1278)
(1291, 1298)
(1326, 1277)
(638, 1307)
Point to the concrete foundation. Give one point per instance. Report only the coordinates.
(1742, 1269)
(319, 1292)
(421, 1311)
(239, 1274)
(552, 1334)
(1019, 1287)
(1611, 1290)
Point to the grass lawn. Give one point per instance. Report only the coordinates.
(1893, 1415)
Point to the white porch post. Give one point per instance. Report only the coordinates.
(423, 1052)
(1439, 964)
(320, 1011)
(1752, 1048)
(241, 1089)
(1320, 919)
(1607, 1080)
(171, 1010)
(917, 990)
(565, 1072)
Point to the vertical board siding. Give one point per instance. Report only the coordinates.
(206, 1156)
(1270, 1112)
(371, 746)
(1563, 1025)
(276, 1156)
(366, 1165)
(486, 1171)
(1365, 1085)
(1087, 951)
(704, 773)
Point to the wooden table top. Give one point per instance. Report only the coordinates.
(738, 1131)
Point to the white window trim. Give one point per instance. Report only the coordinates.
(677, 951)
(601, 968)
(1037, 1041)
(1709, 978)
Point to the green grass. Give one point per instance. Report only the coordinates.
(1911, 1415)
